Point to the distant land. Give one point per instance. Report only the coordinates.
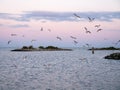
(41, 48)
(106, 48)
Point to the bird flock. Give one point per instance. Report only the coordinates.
(74, 39)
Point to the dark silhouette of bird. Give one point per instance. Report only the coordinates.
(88, 45)
(75, 42)
(43, 21)
(76, 15)
(49, 30)
(23, 35)
(41, 29)
(99, 30)
(9, 41)
(25, 57)
(91, 19)
(73, 37)
(97, 26)
(117, 42)
(32, 40)
(13, 34)
(14, 65)
(87, 30)
(59, 38)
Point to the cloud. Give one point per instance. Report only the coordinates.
(60, 16)
(68, 16)
(19, 25)
(16, 17)
(15, 26)
(52, 16)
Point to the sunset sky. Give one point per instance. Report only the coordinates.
(25, 18)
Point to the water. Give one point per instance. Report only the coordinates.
(58, 70)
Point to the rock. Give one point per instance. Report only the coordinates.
(115, 56)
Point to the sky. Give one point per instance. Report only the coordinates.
(40, 22)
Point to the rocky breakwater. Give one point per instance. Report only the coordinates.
(115, 56)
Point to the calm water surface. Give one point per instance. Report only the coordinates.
(58, 70)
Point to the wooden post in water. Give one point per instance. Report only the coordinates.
(92, 50)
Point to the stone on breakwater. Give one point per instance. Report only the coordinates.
(115, 56)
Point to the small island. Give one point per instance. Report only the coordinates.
(41, 48)
(106, 48)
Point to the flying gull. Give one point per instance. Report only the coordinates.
(9, 41)
(117, 42)
(97, 26)
(23, 35)
(91, 19)
(75, 42)
(76, 15)
(73, 37)
(99, 30)
(13, 34)
(88, 45)
(33, 40)
(41, 29)
(59, 38)
(25, 57)
(87, 30)
(49, 30)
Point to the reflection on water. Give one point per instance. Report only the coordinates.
(58, 70)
